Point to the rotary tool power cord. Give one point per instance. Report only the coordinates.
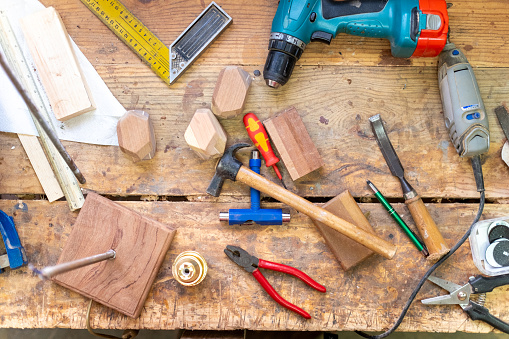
(479, 181)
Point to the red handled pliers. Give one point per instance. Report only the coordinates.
(252, 264)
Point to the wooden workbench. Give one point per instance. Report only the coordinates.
(336, 89)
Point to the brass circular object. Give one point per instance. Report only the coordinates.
(189, 268)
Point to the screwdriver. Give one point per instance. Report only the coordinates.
(260, 138)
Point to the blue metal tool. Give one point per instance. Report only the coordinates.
(260, 216)
(15, 256)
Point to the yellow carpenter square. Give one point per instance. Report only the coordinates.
(183, 51)
(133, 33)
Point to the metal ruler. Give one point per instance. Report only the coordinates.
(20, 67)
(184, 51)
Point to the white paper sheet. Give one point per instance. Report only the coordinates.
(95, 127)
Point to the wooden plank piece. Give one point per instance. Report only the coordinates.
(292, 140)
(41, 167)
(140, 244)
(56, 63)
(348, 252)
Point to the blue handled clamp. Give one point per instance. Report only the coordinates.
(15, 256)
(260, 216)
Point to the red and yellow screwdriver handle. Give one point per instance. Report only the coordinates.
(260, 138)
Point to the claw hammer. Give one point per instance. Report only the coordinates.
(231, 168)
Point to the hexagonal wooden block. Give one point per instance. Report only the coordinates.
(205, 135)
(136, 135)
(230, 92)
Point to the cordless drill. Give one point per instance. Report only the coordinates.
(415, 28)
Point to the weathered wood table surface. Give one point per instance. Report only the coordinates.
(336, 89)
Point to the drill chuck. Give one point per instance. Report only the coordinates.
(284, 51)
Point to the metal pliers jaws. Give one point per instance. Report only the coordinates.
(474, 307)
(252, 264)
(15, 256)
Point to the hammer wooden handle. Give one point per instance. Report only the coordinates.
(437, 247)
(355, 233)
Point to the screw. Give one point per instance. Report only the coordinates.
(462, 296)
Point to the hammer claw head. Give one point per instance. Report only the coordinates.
(227, 168)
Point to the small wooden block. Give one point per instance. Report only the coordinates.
(348, 252)
(292, 140)
(205, 135)
(230, 92)
(60, 73)
(140, 244)
(136, 135)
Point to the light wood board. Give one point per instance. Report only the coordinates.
(56, 63)
(41, 166)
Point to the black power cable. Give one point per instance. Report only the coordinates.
(479, 181)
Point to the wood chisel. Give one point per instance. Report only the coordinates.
(503, 118)
(182, 52)
(428, 230)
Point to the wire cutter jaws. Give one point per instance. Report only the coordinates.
(252, 264)
(463, 296)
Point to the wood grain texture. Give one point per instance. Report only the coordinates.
(348, 253)
(350, 230)
(407, 98)
(205, 135)
(136, 135)
(430, 234)
(292, 141)
(56, 63)
(230, 92)
(368, 297)
(140, 243)
(41, 166)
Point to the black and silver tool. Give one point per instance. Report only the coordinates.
(435, 243)
(464, 112)
(471, 297)
(196, 38)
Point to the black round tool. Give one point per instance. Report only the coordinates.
(498, 230)
(497, 254)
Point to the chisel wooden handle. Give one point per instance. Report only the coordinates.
(437, 247)
(355, 233)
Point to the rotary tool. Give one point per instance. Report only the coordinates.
(415, 28)
(464, 113)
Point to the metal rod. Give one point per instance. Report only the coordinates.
(50, 271)
(44, 124)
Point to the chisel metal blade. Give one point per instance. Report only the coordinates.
(391, 158)
(503, 119)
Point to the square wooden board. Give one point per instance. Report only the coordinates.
(140, 244)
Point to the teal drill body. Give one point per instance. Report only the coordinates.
(388, 20)
(402, 22)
